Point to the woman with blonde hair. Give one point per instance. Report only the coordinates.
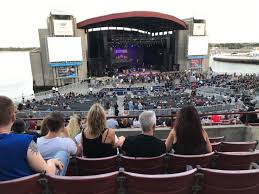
(73, 126)
(98, 140)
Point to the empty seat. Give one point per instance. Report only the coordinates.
(229, 182)
(94, 166)
(238, 146)
(216, 139)
(215, 146)
(94, 184)
(25, 185)
(178, 163)
(235, 160)
(179, 183)
(151, 165)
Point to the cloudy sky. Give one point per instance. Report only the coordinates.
(227, 20)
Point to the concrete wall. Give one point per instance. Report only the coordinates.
(231, 132)
(47, 71)
(36, 67)
(181, 45)
(82, 68)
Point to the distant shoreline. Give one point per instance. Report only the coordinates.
(18, 49)
(233, 59)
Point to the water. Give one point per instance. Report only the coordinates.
(15, 75)
(223, 67)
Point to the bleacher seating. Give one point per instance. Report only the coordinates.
(216, 139)
(235, 160)
(152, 165)
(238, 146)
(25, 185)
(215, 146)
(179, 183)
(94, 166)
(229, 182)
(178, 163)
(94, 184)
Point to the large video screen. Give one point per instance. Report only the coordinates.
(198, 45)
(67, 72)
(64, 49)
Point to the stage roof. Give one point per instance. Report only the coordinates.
(142, 20)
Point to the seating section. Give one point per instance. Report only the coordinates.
(229, 182)
(238, 146)
(216, 139)
(95, 184)
(235, 160)
(94, 166)
(153, 165)
(25, 185)
(215, 146)
(221, 172)
(179, 183)
(178, 163)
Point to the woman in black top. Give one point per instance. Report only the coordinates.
(97, 140)
(188, 137)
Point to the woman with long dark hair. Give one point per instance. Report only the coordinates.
(188, 137)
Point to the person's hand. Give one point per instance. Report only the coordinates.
(120, 141)
(54, 164)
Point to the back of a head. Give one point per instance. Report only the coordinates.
(6, 111)
(188, 127)
(20, 107)
(43, 127)
(96, 119)
(73, 125)
(147, 120)
(19, 126)
(55, 121)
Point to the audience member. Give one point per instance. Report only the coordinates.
(145, 144)
(54, 146)
(19, 153)
(98, 140)
(188, 137)
(73, 126)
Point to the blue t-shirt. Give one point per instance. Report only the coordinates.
(13, 156)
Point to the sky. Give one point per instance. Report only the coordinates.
(227, 20)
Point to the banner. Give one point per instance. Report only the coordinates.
(63, 27)
(66, 72)
(196, 63)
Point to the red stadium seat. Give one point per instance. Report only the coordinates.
(152, 165)
(235, 160)
(215, 146)
(94, 166)
(72, 167)
(178, 163)
(229, 182)
(216, 139)
(25, 185)
(179, 183)
(238, 146)
(95, 184)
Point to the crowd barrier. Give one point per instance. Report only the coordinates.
(162, 112)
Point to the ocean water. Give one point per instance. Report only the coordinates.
(239, 68)
(15, 75)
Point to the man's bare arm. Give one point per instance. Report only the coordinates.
(37, 163)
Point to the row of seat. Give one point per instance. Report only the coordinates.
(194, 181)
(167, 163)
